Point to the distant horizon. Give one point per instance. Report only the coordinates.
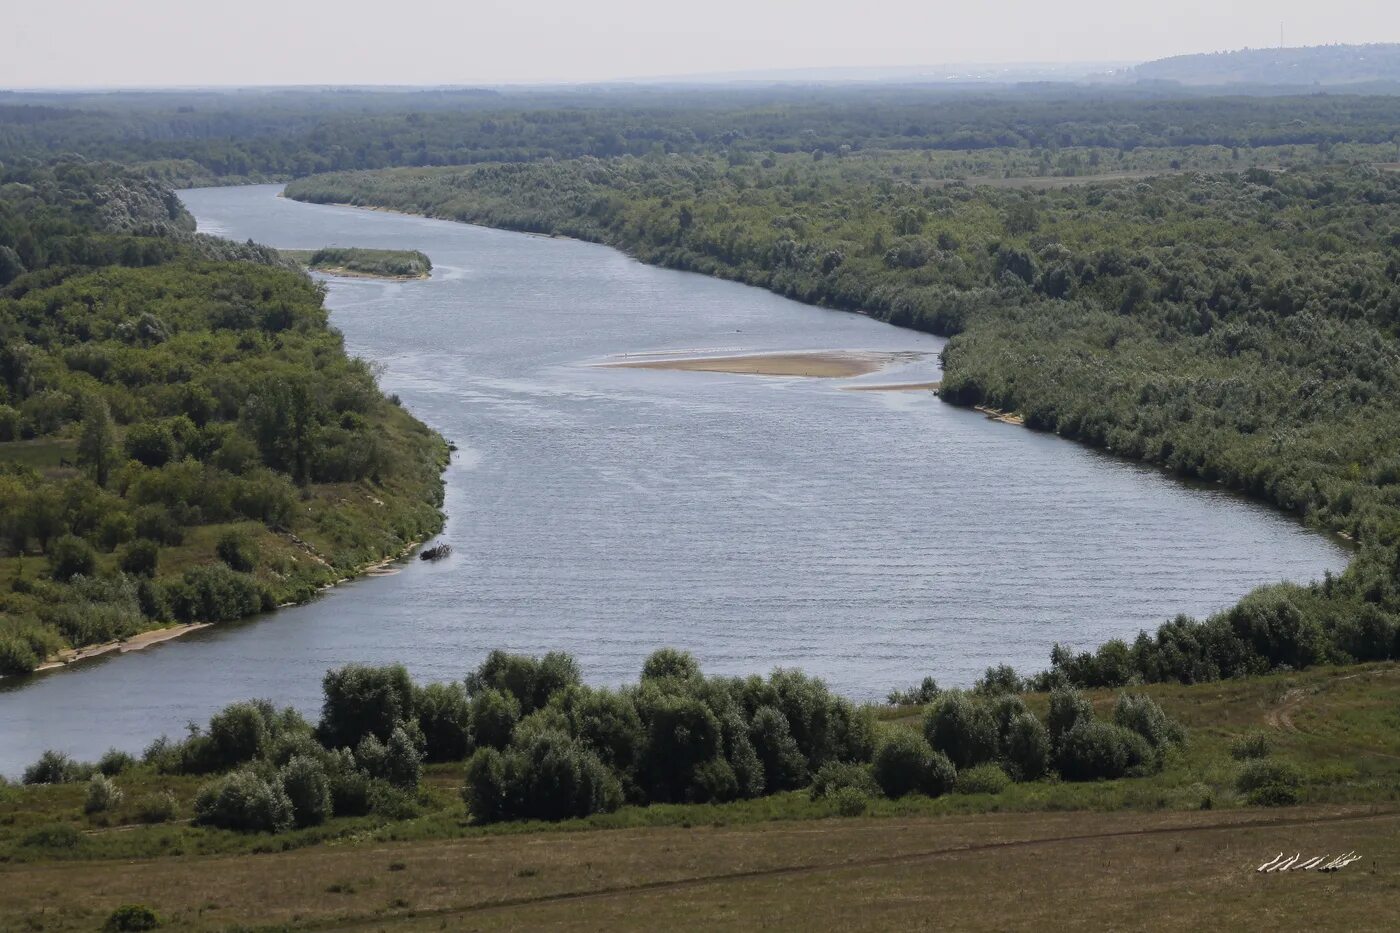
(163, 44)
(1075, 70)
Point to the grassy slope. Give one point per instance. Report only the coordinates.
(1111, 851)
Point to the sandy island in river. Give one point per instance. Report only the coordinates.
(826, 364)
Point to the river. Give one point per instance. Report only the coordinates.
(870, 538)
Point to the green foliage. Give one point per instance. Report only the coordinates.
(244, 801)
(308, 789)
(669, 663)
(1026, 748)
(1251, 745)
(982, 779)
(1267, 772)
(1093, 751)
(140, 558)
(102, 794)
(131, 918)
(550, 776)
(922, 695)
(54, 768)
(835, 776)
(1068, 708)
(71, 556)
(444, 719)
(961, 728)
(851, 801)
(905, 764)
(532, 681)
(364, 701)
(389, 263)
(113, 762)
(493, 716)
(156, 808)
(238, 551)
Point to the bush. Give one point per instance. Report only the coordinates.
(215, 593)
(56, 836)
(1068, 708)
(114, 762)
(17, 655)
(531, 681)
(54, 768)
(360, 701)
(131, 918)
(244, 801)
(906, 764)
(784, 766)
(999, 680)
(156, 808)
(1272, 795)
(682, 734)
(962, 729)
(102, 794)
(1267, 772)
(851, 801)
(140, 558)
(1142, 715)
(71, 556)
(1251, 745)
(305, 783)
(983, 779)
(670, 663)
(237, 550)
(1093, 751)
(237, 734)
(493, 716)
(444, 718)
(550, 777)
(835, 776)
(923, 694)
(1026, 748)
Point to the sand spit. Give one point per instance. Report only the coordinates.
(821, 364)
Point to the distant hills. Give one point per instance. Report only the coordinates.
(1310, 65)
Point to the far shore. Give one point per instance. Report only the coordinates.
(817, 364)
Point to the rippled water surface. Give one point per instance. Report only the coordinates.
(868, 537)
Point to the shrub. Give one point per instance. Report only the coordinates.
(839, 775)
(999, 680)
(238, 550)
(1068, 708)
(1142, 715)
(444, 717)
(102, 794)
(906, 764)
(71, 556)
(851, 801)
(17, 655)
(131, 918)
(923, 694)
(156, 808)
(237, 734)
(493, 716)
(1094, 751)
(531, 681)
(670, 663)
(1251, 745)
(114, 762)
(1267, 772)
(53, 768)
(784, 766)
(550, 777)
(961, 728)
(350, 787)
(1272, 795)
(1026, 748)
(140, 558)
(714, 782)
(305, 783)
(244, 801)
(56, 836)
(214, 593)
(360, 701)
(983, 779)
(682, 734)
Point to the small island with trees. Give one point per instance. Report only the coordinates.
(363, 263)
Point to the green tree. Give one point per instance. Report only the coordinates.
(97, 442)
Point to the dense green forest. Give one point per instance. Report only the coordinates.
(182, 436)
(1233, 326)
(205, 137)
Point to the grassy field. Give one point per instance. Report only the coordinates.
(1175, 850)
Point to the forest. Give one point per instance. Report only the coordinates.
(1235, 325)
(182, 435)
(189, 138)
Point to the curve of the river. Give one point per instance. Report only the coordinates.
(868, 537)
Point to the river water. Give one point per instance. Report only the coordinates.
(870, 538)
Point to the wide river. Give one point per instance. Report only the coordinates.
(870, 538)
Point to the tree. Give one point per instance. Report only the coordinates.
(71, 556)
(905, 764)
(360, 701)
(97, 442)
(961, 728)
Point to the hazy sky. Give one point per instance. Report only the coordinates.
(48, 43)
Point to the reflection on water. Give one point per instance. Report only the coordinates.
(868, 537)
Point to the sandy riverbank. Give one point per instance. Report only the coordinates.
(896, 387)
(820, 364)
(134, 643)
